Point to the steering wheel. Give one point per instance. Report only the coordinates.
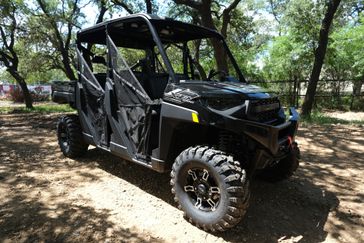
(213, 73)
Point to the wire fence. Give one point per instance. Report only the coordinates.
(329, 93)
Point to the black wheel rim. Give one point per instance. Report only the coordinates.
(201, 188)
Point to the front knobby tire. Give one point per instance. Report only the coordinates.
(70, 138)
(210, 187)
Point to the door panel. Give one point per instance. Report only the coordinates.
(92, 110)
(133, 103)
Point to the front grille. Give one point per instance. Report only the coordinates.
(264, 110)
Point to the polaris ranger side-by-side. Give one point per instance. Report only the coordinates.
(148, 93)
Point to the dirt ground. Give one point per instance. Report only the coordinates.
(346, 115)
(45, 197)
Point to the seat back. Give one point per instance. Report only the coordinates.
(101, 78)
(156, 84)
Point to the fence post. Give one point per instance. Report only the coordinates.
(352, 101)
(295, 96)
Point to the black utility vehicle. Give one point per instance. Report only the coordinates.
(167, 109)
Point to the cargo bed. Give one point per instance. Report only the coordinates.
(63, 92)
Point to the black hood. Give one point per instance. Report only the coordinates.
(211, 89)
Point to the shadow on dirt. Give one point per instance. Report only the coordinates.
(150, 181)
(296, 208)
(32, 208)
(293, 208)
(32, 211)
(70, 223)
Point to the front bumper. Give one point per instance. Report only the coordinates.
(279, 141)
(274, 138)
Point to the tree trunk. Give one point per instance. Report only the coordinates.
(203, 8)
(67, 66)
(219, 51)
(23, 85)
(357, 87)
(148, 4)
(27, 97)
(320, 53)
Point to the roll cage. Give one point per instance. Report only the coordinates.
(120, 108)
(142, 31)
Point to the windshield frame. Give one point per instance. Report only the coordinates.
(184, 32)
(217, 35)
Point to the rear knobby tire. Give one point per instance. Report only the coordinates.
(210, 187)
(285, 168)
(70, 138)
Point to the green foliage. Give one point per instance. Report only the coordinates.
(287, 60)
(290, 55)
(243, 37)
(32, 65)
(345, 57)
(52, 29)
(292, 52)
(271, 40)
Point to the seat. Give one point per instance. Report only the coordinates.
(101, 78)
(155, 85)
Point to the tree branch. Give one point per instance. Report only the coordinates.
(12, 58)
(13, 27)
(3, 37)
(189, 3)
(103, 10)
(226, 17)
(5, 58)
(70, 24)
(275, 15)
(123, 5)
(59, 43)
(148, 4)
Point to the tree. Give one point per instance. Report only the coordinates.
(131, 7)
(345, 59)
(10, 24)
(53, 26)
(277, 8)
(206, 13)
(102, 5)
(320, 52)
(54, 23)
